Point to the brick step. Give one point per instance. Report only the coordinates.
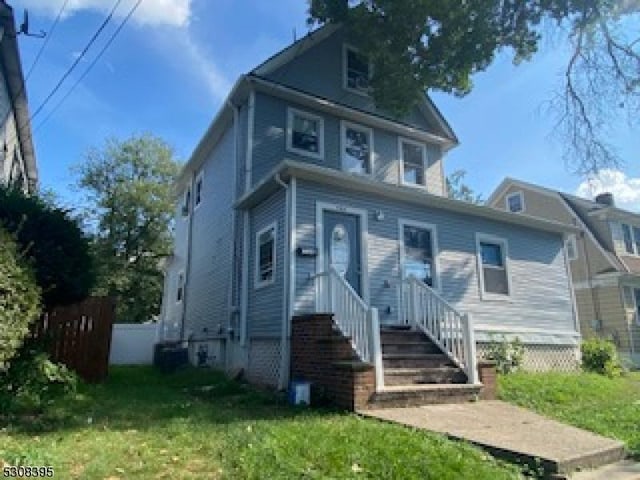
(400, 336)
(415, 360)
(412, 376)
(416, 395)
(409, 347)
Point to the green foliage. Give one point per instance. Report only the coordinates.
(52, 242)
(600, 356)
(607, 406)
(507, 355)
(458, 190)
(141, 424)
(129, 187)
(19, 300)
(33, 381)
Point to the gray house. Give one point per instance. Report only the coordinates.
(304, 197)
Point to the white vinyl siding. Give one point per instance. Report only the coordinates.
(305, 133)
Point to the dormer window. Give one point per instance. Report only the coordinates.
(515, 202)
(631, 237)
(357, 71)
(305, 133)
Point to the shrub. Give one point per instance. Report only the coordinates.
(507, 355)
(53, 243)
(600, 356)
(19, 300)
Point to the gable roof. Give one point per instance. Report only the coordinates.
(579, 208)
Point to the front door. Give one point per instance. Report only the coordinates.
(341, 244)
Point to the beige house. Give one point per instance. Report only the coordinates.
(17, 156)
(604, 257)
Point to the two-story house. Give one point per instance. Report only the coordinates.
(604, 257)
(304, 197)
(17, 156)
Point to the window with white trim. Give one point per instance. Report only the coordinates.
(357, 148)
(180, 287)
(357, 71)
(198, 190)
(515, 202)
(631, 238)
(493, 266)
(186, 203)
(413, 160)
(571, 246)
(265, 258)
(631, 297)
(419, 252)
(305, 133)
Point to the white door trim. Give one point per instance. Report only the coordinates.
(321, 207)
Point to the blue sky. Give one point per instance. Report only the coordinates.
(173, 64)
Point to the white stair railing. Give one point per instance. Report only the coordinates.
(449, 329)
(354, 318)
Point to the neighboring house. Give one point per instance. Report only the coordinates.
(17, 156)
(604, 257)
(303, 197)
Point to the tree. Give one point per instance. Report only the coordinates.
(458, 190)
(52, 242)
(436, 44)
(129, 190)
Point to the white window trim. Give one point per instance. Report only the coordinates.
(401, 141)
(634, 241)
(514, 194)
(290, 114)
(199, 178)
(343, 142)
(345, 49)
(263, 283)
(503, 242)
(573, 239)
(402, 222)
(185, 209)
(179, 284)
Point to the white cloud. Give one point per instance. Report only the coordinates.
(175, 13)
(626, 190)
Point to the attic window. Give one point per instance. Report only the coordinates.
(515, 202)
(357, 71)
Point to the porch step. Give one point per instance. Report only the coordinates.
(409, 347)
(401, 336)
(413, 376)
(415, 360)
(417, 395)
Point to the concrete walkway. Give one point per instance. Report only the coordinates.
(511, 432)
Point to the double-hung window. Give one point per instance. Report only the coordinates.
(631, 297)
(265, 259)
(493, 267)
(186, 203)
(413, 160)
(418, 252)
(357, 151)
(631, 237)
(357, 71)
(180, 287)
(305, 133)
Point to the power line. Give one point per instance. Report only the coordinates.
(77, 60)
(47, 39)
(91, 65)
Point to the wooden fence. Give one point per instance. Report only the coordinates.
(79, 336)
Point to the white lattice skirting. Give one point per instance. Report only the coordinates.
(544, 357)
(264, 361)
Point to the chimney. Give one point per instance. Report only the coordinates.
(605, 199)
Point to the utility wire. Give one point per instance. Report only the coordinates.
(47, 39)
(91, 65)
(77, 60)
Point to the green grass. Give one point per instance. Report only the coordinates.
(610, 407)
(197, 424)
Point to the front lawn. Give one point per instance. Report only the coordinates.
(610, 407)
(197, 424)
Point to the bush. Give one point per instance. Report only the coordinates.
(53, 243)
(507, 355)
(33, 381)
(600, 356)
(19, 300)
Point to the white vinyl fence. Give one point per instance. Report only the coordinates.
(132, 343)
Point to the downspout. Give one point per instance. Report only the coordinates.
(249, 158)
(187, 267)
(231, 302)
(567, 264)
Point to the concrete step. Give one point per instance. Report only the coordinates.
(413, 376)
(409, 347)
(415, 360)
(417, 395)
